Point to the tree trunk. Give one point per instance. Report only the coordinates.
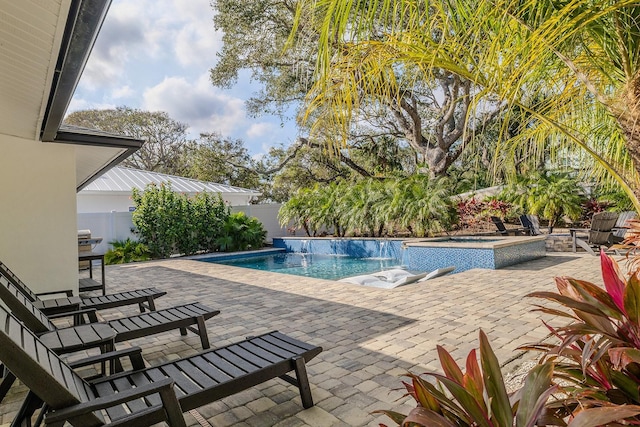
(629, 122)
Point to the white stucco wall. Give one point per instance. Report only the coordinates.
(38, 234)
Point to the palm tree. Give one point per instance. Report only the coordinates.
(550, 195)
(423, 205)
(570, 70)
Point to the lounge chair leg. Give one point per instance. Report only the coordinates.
(303, 382)
(183, 331)
(151, 304)
(584, 245)
(202, 331)
(7, 382)
(172, 407)
(29, 406)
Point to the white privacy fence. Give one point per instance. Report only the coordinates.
(118, 225)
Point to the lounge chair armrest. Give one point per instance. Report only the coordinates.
(164, 387)
(77, 314)
(134, 354)
(67, 292)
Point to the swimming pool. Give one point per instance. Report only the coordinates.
(320, 266)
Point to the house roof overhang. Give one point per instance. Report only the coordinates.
(46, 46)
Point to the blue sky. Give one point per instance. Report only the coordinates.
(155, 55)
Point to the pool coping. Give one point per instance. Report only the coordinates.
(473, 242)
(222, 256)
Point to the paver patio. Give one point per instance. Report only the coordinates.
(370, 336)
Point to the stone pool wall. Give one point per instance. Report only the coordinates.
(465, 254)
(428, 254)
(360, 248)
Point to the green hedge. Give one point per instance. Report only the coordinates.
(173, 223)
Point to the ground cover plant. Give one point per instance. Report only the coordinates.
(125, 251)
(588, 374)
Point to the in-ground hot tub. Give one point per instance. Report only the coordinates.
(469, 252)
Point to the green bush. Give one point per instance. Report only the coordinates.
(241, 233)
(155, 218)
(125, 251)
(371, 207)
(172, 223)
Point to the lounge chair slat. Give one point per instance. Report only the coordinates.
(253, 358)
(264, 352)
(236, 360)
(125, 325)
(212, 370)
(277, 342)
(275, 349)
(169, 313)
(140, 379)
(223, 364)
(286, 338)
(190, 369)
(123, 384)
(43, 357)
(108, 389)
(181, 379)
(141, 321)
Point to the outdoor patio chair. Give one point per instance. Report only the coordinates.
(148, 396)
(502, 229)
(181, 317)
(620, 229)
(598, 236)
(531, 224)
(145, 298)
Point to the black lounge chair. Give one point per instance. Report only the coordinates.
(148, 396)
(145, 298)
(598, 236)
(181, 317)
(531, 224)
(506, 231)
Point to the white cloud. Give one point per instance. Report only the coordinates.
(257, 130)
(197, 41)
(78, 104)
(198, 104)
(123, 92)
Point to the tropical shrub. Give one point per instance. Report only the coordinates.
(473, 211)
(593, 362)
(372, 207)
(422, 205)
(598, 353)
(171, 223)
(550, 195)
(240, 233)
(125, 251)
(155, 218)
(477, 397)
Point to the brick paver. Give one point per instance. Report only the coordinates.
(370, 336)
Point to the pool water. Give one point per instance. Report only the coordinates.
(330, 267)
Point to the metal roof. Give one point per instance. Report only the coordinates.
(123, 180)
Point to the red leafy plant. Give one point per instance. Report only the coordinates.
(597, 354)
(477, 397)
(588, 375)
